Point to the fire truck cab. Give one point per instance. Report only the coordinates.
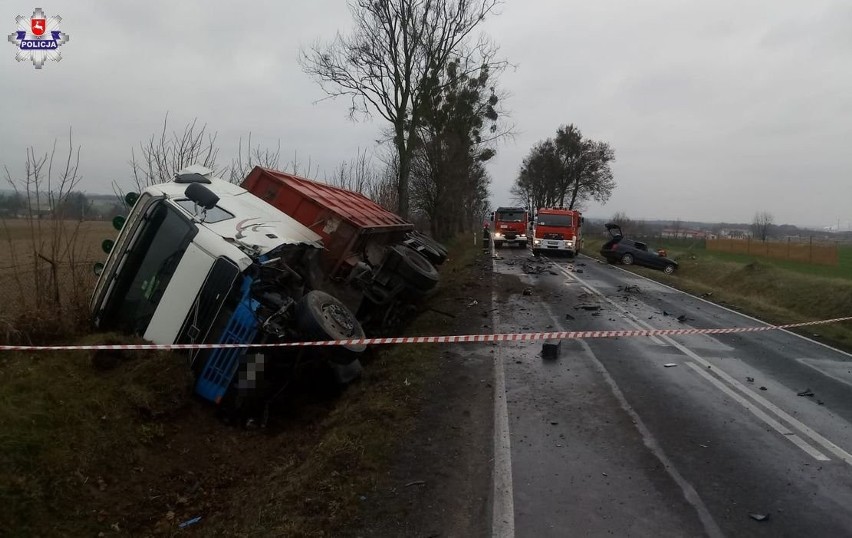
(510, 226)
(558, 230)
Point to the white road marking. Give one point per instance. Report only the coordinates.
(630, 318)
(710, 526)
(796, 424)
(777, 426)
(503, 508)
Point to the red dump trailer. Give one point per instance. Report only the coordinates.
(373, 258)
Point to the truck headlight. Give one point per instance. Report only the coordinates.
(536, 241)
(498, 235)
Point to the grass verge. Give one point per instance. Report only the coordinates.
(125, 450)
(769, 290)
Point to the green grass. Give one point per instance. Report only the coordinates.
(82, 448)
(776, 291)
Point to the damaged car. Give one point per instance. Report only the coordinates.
(620, 249)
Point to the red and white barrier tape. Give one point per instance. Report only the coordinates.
(466, 338)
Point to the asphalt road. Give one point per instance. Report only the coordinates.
(606, 440)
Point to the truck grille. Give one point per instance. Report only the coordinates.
(554, 236)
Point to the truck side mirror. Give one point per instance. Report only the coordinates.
(201, 195)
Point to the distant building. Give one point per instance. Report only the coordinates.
(686, 233)
(735, 233)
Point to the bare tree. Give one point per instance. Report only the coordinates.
(56, 270)
(163, 155)
(253, 156)
(761, 225)
(386, 63)
(621, 218)
(357, 174)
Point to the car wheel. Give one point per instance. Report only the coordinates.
(321, 316)
(669, 269)
(627, 259)
(415, 269)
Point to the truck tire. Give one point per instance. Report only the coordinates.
(415, 269)
(435, 251)
(321, 316)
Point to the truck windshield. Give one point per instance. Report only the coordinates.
(562, 221)
(151, 262)
(510, 216)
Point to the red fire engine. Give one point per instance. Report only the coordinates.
(558, 230)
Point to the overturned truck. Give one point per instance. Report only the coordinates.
(201, 260)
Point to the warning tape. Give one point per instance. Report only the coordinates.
(460, 339)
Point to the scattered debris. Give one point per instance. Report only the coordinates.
(495, 257)
(604, 474)
(670, 365)
(815, 335)
(553, 423)
(473, 303)
(763, 388)
(665, 313)
(528, 291)
(820, 402)
(551, 349)
(807, 392)
(596, 314)
(631, 288)
(578, 270)
(750, 379)
(759, 517)
(190, 522)
(552, 272)
(590, 307)
(705, 295)
(536, 266)
(682, 318)
(569, 316)
(580, 264)
(703, 446)
(416, 483)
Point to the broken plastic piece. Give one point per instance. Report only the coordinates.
(759, 517)
(806, 392)
(189, 522)
(669, 365)
(528, 291)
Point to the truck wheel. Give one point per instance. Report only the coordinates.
(415, 269)
(321, 316)
(435, 251)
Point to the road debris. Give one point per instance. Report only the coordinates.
(578, 270)
(763, 388)
(569, 317)
(536, 266)
(669, 365)
(631, 288)
(705, 295)
(190, 522)
(750, 379)
(528, 291)
(416, 483)
(807, 392)
(589, 307)
(551, 349)
(759, 517)
(665, 313)
(473, 303)
(682, 318)
(820, 402)
(553, 423)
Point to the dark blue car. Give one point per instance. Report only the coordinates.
(619, 249)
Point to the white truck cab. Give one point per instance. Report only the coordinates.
(201, 260)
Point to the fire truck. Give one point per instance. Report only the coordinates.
(557, 230)
(510, 226)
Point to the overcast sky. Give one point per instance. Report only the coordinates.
(715, 110)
